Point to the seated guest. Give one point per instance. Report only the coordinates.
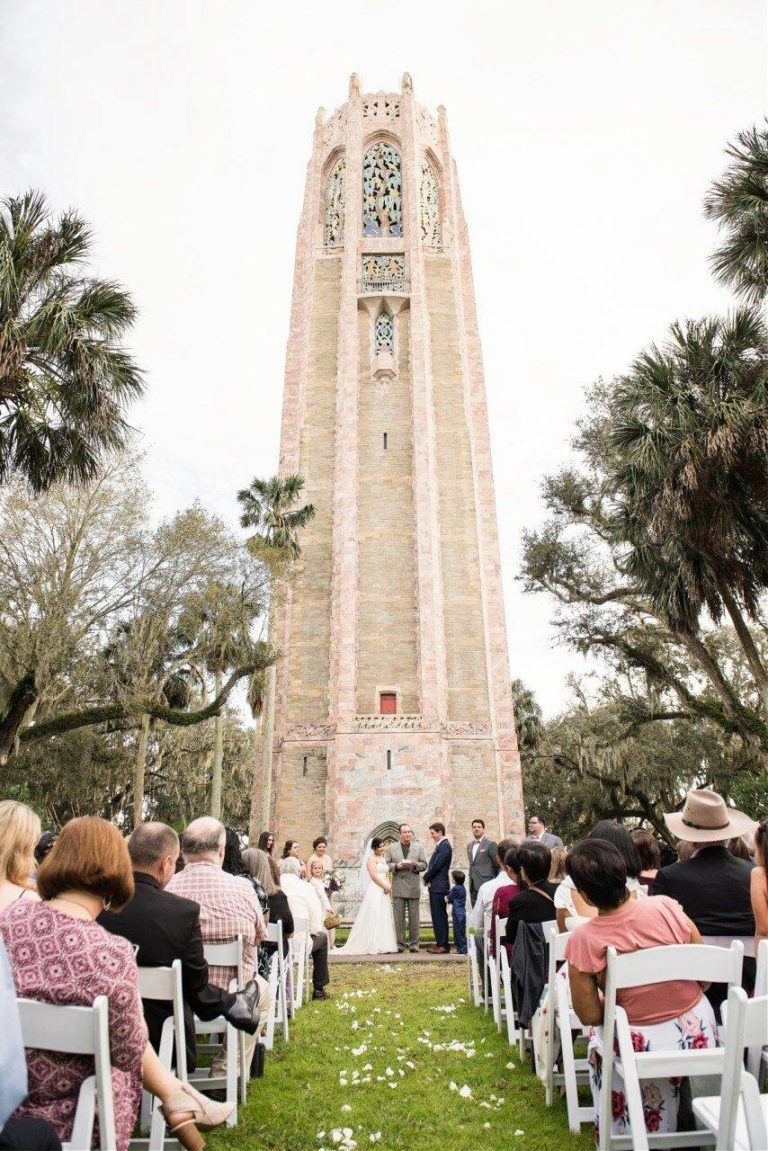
(88, 869)
(19, 832)
(668, 1016)
(738, 847)
(228, 908)
(260, 866)
(481, 908)
(304, 904)
(569, 903)
(233, 862)
(503, 896)
(712, 886)
(291, 850)
(758, 885)
(536, 903)
(557, 870)
(165, 927)
(650, 856)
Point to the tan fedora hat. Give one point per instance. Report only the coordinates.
(706, 818)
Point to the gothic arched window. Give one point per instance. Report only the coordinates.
(385, 333)
(429, 210)
(334, 205)
(382, 203)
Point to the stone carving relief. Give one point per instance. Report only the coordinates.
(429, 205)
(459, 729)
(308, 731)
(334, 205)
(381, 106)
(382, 202)
(377, 722)
(384, 338)
(382, 274)
(333, 132)
(428, 127)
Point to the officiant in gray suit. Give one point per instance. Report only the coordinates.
(406, 861)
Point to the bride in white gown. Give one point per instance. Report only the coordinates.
(373, 932)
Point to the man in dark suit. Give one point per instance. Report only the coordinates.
(482, 858)
(166, 927)
(438, 883)
(713, 885)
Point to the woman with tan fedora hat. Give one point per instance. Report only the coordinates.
(712, 886)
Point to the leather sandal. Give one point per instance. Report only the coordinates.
(197, 1112)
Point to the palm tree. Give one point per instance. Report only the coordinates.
(739, 204)
(528, 716)
(64, 380)
(269, 506)
(689, 438)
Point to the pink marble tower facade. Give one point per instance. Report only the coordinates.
(398, 601)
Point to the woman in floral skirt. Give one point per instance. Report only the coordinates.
(670, 1016)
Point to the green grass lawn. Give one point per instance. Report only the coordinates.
(375, 1060)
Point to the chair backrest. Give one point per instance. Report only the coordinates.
(746, 941)
(229, 954)
(300, 925)
(165, 984)
(76, 1031)
(747, 1026)
(673, 961)
(275, 933)
(500, 930)
(761, 975)
(574, 921)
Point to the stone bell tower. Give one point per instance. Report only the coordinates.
(392, 698)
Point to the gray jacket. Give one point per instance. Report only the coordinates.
(406, 884)
(484, 866)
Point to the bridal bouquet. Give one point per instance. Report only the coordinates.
(334, 882)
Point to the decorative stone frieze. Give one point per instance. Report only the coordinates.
(461, 729)
(381, 106)
(300, 732)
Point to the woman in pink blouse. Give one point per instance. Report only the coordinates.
(668, 1016)
(59, 954)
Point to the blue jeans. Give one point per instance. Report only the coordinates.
(460, 929)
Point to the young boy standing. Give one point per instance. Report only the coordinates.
(457, 897)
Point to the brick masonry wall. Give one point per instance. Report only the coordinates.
(386, 603)
(464, 634)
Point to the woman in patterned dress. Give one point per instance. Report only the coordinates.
(671, 1016)
(59, 954)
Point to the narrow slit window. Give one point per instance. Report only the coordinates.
(389, 760)
(304, 765)
(388, 703)
(385, 441)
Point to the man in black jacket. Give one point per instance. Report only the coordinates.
(438, 883)
(166, 927)
(713, 885)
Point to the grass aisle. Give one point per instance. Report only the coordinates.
(380, 1059)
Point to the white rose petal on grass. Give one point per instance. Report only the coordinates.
(465, 1092)
(389, 1073)
(510, 1066)
(411, 1064)
(346, 1107)
(453, 1086)
(519, 1132)
(486, 1126)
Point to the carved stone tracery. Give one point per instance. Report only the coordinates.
(334, 205)
(382, 274)
(382, 201)
(429, 205)
(384, 334)
(381, 106)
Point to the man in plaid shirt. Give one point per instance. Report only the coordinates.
(228, 907)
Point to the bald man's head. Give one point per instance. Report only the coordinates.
(204, 836)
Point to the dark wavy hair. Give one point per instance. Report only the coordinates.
(376, 843)
(598, 870)
(232, 861)
(617, 834)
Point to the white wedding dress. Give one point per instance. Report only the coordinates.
(373, 932)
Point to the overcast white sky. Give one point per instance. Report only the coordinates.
(586, 133)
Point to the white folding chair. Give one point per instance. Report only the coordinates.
(164, 984)
(499, 928)
(78, 1031)
(738, 1117)
(510, 1016)
(277, 984)
(300, 949)
(224, 955)
(475, 983)
(563, 1022)
(757, 1058)
(638, 969)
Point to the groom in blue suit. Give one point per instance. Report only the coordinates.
(438, 883)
